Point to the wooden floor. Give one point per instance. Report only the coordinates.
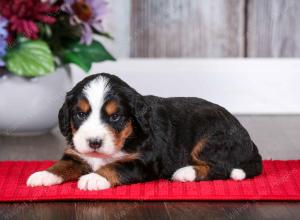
(277, 137)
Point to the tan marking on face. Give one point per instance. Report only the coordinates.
(120, 137)
(84, 105)
(111, 107)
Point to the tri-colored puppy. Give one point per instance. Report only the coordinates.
(117, 136)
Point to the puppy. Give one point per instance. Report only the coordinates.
(117, 136)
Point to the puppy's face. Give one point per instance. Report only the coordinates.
(97, 116)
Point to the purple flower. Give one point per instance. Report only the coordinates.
(3, 36)
(88, 14)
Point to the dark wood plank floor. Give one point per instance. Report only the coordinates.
(278, 137)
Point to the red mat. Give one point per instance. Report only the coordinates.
(280, 181)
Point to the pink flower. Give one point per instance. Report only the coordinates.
(23, 15)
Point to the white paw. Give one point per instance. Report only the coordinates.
(237, 174)
(185, 174)
(43, 178)
(93, 181)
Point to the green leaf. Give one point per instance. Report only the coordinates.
(84, 55)
(30, 58)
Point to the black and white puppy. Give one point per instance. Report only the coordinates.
(117, 136)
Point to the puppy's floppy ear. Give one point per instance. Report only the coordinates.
(64, 118)
(140, 110)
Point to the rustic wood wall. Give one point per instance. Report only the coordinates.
(273, 28)
(214, 28)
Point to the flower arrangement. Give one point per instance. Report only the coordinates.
(36, 36)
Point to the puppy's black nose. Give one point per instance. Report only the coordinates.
(95, 143)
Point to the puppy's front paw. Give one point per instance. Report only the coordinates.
(93, 181)
(43, 178)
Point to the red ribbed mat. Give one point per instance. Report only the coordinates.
(280, 181)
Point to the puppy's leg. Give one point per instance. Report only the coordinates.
(114, 174)
(68, 168)
(191, 173)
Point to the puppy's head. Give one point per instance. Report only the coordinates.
(100, 113)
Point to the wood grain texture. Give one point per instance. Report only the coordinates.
(231, 210)
(187, 28)
(273, 28)
(151, 210)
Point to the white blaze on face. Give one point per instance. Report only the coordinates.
(93, 127)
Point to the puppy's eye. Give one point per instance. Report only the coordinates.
(115, 117)
(81, 115)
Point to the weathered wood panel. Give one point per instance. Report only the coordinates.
(273, 28)
(187, 28)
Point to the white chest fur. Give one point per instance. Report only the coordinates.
(96, 163)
